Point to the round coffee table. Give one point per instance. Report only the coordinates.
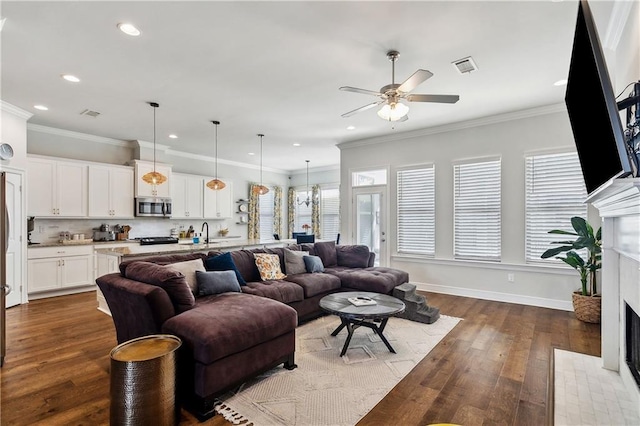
(352, 316)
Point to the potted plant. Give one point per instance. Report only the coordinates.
(586, 301)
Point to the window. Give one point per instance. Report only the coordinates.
(330, 212)
(476, 210)
(369, 177)
(303, 212)
(555, 192)
(266, 215)
(416, 210)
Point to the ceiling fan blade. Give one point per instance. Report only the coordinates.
(443, 99)
(364, 108)
(363, 91)
(405, 118)
(413, 81)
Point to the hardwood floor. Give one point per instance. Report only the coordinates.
(491, 369)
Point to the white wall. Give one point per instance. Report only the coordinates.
(511, 137)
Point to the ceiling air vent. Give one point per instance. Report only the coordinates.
(90, 113)
(465, 65)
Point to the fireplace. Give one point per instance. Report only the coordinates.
(633, 343)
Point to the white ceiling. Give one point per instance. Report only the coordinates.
(275, 68)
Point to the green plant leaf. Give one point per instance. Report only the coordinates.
(560, 231)
(554, 251)
(581, 226)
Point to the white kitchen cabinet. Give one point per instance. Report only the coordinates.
(187, 199)
(110, 192)
(143, 189)
(218, 204)
(59, 268)
(56, 188)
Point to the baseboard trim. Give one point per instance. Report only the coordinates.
(497, 296)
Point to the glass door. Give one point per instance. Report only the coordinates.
(369, 222)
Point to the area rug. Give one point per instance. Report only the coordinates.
(327, 389)
(587, 394)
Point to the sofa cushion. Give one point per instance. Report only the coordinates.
(246, 264)
(294, 262)
(313, 264)
(172, 281)
(356, 256)
(268, 266)
(216, 282)
(280, 290)
(376, 279)
(314, 284)
(189, 269)
(327, 252)
(223, 262)
(161, 259)
(229, 323)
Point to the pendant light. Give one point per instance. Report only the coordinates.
(216, 184)
(307, 201)
(260, 189)
(154, 178)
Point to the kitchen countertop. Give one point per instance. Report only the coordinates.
(74, 243)
(185, 247)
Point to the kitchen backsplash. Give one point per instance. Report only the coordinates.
(48, 230)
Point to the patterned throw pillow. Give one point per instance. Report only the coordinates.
(268, 266)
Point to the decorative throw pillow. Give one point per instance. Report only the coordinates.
(172, 281)
(313, 264)
(189, 269)
(216, 282)
(327, 252)
(223, 262)
(268, 266)
(294, 262)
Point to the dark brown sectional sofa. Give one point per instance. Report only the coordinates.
(230, 337)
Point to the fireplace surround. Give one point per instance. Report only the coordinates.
(632, 342)
(619, 207)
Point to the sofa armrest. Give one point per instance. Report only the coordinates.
(137, 309)
(372, 259)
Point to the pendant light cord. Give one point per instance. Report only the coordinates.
(154, 138)
(261, 159)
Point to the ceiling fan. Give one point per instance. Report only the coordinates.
(391, 94)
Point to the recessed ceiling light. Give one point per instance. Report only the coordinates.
(296, 144)
(41, 107)
(560, 83)
(252, 153)
(173, 136)
(71, 78)
(351, 127)
(129, 29)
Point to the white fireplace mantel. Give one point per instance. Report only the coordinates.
(619, 207)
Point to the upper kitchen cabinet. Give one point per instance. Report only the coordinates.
(56, 188)
(143, 189)
(218, 204)
(186, 201)
(111, 192)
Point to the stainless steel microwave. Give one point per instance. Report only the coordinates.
(153, 207)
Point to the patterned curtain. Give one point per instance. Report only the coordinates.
(254, 214)
(277, 211)
(315, 210)
(291, 210)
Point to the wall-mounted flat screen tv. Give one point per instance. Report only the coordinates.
(593, 112)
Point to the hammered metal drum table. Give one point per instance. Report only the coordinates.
(143, 381)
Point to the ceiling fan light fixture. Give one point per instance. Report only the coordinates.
(393, 111)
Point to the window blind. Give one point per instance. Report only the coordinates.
(416, 211)
(266, 215)
(555, 192)
(476, 211)
(330, 211)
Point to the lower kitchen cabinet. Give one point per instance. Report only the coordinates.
(59, 270)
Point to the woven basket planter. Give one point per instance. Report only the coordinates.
(587, 308)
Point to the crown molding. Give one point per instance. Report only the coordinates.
(617, 20)
(158, 146)
(494, 119)
(77, 135)
(209, 159)
(7, 107)
(315, 170)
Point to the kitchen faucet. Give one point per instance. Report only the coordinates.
(203, 224)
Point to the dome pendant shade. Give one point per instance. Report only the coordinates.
(215, 183)
(154, 178)
(260, 189)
